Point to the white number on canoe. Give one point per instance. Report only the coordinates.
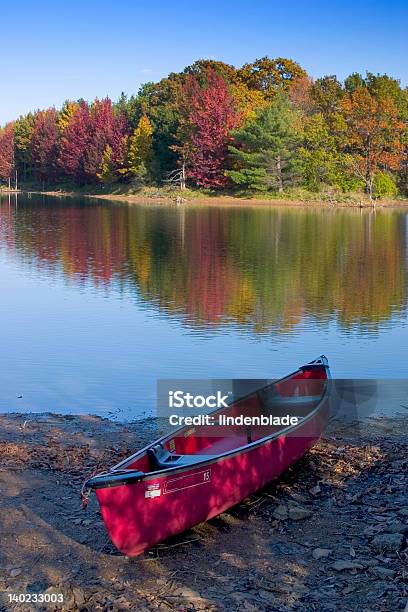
(187, 481)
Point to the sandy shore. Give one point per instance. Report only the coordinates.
(332, 529)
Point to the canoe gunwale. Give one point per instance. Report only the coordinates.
(119, 475)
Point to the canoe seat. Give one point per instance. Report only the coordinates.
(160, 458)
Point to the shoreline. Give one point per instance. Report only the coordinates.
(214, 200)
(328, 530)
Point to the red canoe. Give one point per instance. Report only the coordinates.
(193, 474)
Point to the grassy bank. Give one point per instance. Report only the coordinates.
(167, 195)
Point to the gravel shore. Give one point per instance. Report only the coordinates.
(330, 534)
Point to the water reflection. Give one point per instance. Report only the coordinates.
(258, 269)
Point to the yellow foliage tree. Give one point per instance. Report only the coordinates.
(247, 100)
(107, 172)
(65, 114)
(138, 150)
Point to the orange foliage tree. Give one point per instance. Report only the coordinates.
(374, 134)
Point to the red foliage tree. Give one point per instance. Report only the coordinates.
(6, 152)
(74, 142)
(44, 144)
(107, 128)
(84, 140)
(209, 118)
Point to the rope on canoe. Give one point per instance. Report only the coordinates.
(86, 491)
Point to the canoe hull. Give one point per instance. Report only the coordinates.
(140, 514)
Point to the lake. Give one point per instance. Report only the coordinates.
(99, 300)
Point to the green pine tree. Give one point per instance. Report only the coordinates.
(264, 157)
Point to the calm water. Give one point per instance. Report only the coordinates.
(99, 300)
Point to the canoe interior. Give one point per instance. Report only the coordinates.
(298, 394)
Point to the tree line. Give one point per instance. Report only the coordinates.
(264, 127)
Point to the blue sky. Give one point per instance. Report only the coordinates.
(51, 52)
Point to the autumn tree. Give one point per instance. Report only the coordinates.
(247, 101)
(74, 141)
(66, 113)
(6, 152)
(404, 164)
(44, 143)
(84, 140)
(199, 70)
(389, 96)
(267, 74)
(209, 117)
(107, 170)
(374, 134)
(23, 132)
(323, 162)
(106, 128)
(300, 94)
(138, 149)
(326, 94)
(264, 149)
